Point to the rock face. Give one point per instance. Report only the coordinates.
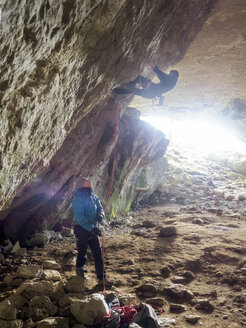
(58, 67)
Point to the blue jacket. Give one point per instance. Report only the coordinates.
(86, 209)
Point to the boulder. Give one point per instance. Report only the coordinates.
(167, 322)
(55, 322)
(204, 305)
(187, 277)
(178, 292)
(51, 275)
(238, 166)
(43, 302)
(70, 262)
(243, 271)
(64, 311)
(58, 290)
(11, 324)
(7, 311)
(8, 279)
(40, 239)
(165, 271)
(22, 252)
(30, 289)
(29, 323)
(155, 301)
(148, 224)
(126, 299)
(16, 247)
(66, 232)
(17, 301)
(28, 271)
(241, 197)
(147, 290)
(51, 264)
(90, 310)
(68, 299)
(177, 308)
(36, 314)
(192, 319)
(168, 231)
(75, 285)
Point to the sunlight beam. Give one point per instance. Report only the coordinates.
(199, 135)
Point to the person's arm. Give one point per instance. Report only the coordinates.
(161, 75)
(100, 211)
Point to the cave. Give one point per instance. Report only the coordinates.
(169, 168)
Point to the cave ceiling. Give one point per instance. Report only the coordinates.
(212, 73)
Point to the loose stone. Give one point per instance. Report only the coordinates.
(90, 310)
(11, 324)
(156, 301)
(51, 264)
(204, 305)
(192, 318)
(165, 271)
(66, 232)
(177, 308)
(53, 275)
(56, 322)
(178, 292)
(28, 271)
(7, 311)
(169, 231)
(75, 285)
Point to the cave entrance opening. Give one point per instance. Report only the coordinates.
(205, 165)
(203, 136)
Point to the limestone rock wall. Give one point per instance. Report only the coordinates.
(47, 198)
(59, 63)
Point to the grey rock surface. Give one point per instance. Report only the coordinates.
(90, 311)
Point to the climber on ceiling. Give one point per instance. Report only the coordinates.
(150, 89)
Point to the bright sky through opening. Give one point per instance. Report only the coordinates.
(198, 135)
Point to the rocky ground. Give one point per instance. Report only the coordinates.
(184, 252)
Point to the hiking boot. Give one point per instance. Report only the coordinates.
(107, 282)
(81, 272)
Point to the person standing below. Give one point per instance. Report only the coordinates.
(88, 211)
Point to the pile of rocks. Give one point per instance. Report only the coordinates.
(44, 298)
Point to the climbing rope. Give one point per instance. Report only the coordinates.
(115, 144)
(112, 172)
(112, 176)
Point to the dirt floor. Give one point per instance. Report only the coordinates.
(210, 246)
(213, 248)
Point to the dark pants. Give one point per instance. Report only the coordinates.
(150, 90)
(83, 239)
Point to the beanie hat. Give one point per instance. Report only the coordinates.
(85, 183)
